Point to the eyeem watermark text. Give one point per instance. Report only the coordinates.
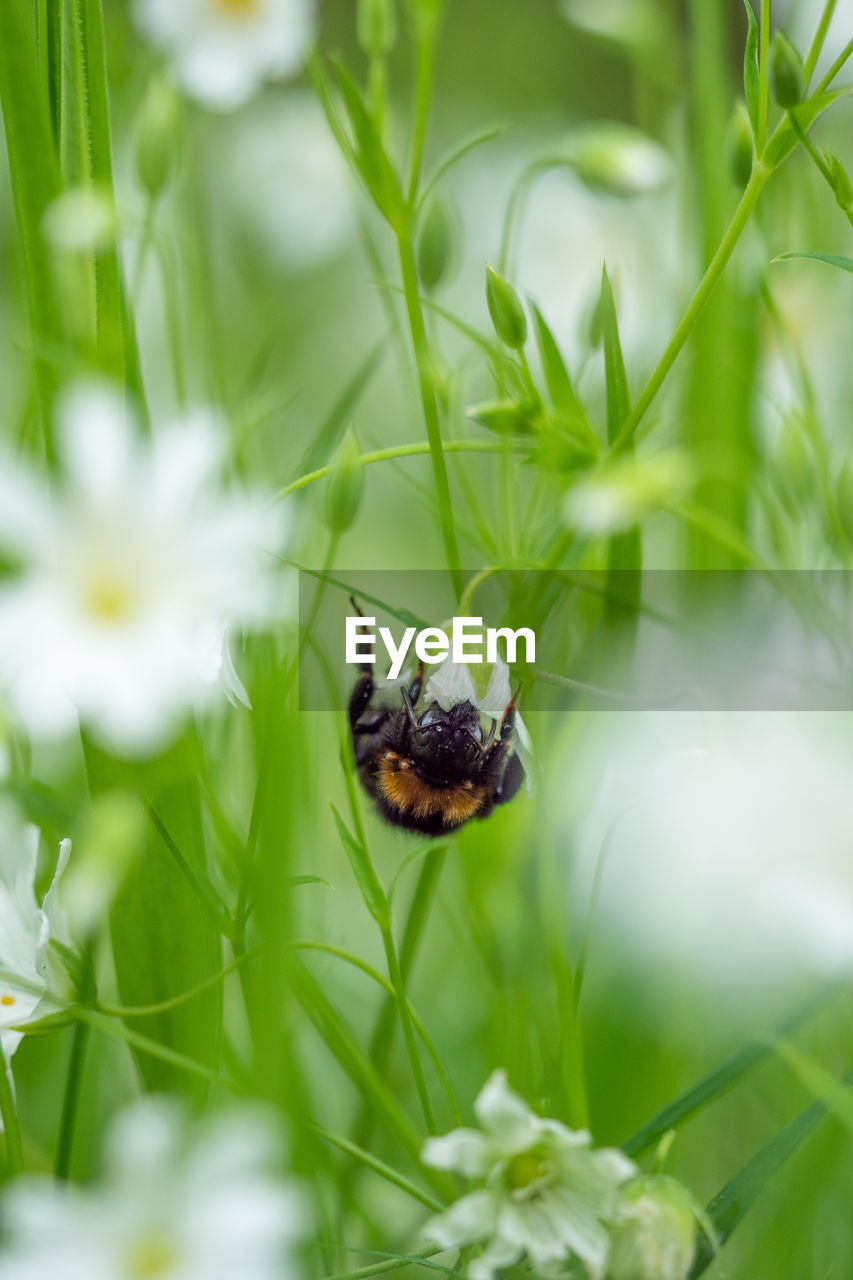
(467, 641)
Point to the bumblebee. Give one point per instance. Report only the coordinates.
(430, 770)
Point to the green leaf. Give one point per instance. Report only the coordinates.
(785, 138)
(624, 552)
(825, 1087)
(829, 259)
(616, 379)
(557, 378)
(368, 881)
(371, 159)
(750, 66)
(36, 182)
(717, 1082)
(731, 1204)
(329, 436)
(167, 929)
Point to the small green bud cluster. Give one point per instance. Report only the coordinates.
(377, 27)
(506, 310)
(345, 486)
(435, 245)
(787, 74)
(655, 1233)
(158, 137)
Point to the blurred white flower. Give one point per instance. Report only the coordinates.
(221, 51)
(287, 179)
(618, 495)
(171, 1206)
(79, 220)
(26, 928)
(133, 575)
(564, 234)
(654, 1237)
(618, 159)
(726, 840)
(546, 1196)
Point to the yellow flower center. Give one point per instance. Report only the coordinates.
(526, 1169)
(107, 599)
(153, 1257)
(237, 8)
(7, 1000)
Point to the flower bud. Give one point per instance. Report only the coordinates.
(434, 245)
(504, 417)
(841, 183)
(739, 145)
(618, 159)
(506, 310)
(377, 27)
(787, 76)
(345, 486)
(618, 495)
(158, 137)
(654, 1237)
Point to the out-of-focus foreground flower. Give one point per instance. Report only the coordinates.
(26, 928)
(171, 1206)
(546, 1196)
(132, 575)
(221, 51)
(726, 842)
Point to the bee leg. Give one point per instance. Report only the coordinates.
(508, 722)
(416, 688)
(360, 700)
(511, 781)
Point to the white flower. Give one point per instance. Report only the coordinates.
(170, 1208)
(221, 51)
(726, 839)
(546, 1196)
(133, 576)
(618, 495)
(26, 929)
(452, 682)
(80, 219)
(288, 180)
(654, 1237)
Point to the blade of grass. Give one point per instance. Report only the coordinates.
(36, 181)
(731, 1204)
(378, 1166)
(718, 1082)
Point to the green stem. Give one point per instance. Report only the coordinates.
(423, 94)
(399, 451)
(378, 1166)
(405, 1016)
(716, 266)
(390, 1264)
(429, 402)
(834, 69)
(11, 1127)
(36, 181)
(763, 78)
(73, 1083)
(820, 36)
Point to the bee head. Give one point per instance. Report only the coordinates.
(447, 741)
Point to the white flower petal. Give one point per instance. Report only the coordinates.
(506, 1117)
(466, 1151)
(469, 1220)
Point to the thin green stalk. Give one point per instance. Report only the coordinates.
(11, 1125)
(379, 1166)
(73, 1087)
(399, 451)
(117, 1031)
(429, 402)
(390, 1264)
(36, 181)
(835, 68)
(816, 156)
(763, 78)
(407, 1025)
(423, 95)
(53, 61)
(717, 265)
(819, 38)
